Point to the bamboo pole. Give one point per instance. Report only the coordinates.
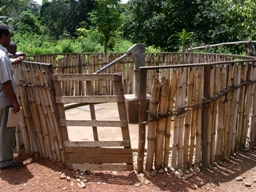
(253, 115)
(188, 119)
(176, 121)
(172, 90)
(181, 117)
(228, 114)
(199, 117)
(152, 125)
(241, 108)
(247, 107)
(221, 115)
(161, 123)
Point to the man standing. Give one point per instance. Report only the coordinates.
(7, 99)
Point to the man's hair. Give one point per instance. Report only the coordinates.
(4, 30)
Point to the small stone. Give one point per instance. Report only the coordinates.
(197, 170)
(82, 184)
(137, 184)
(141, 175)
(247, 184)
(63, 176)
(146, 182)
(254, 180)
(173, 183)
(154, 174)
(239, 178)
(161, 171)
(85, 180)
(64, 188)
(193, 186)
(68, 178)
(78, 180)
(201, 183)
(147, 174)
(163, 184)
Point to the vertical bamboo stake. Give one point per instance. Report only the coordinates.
(152, 125)
(241, 108)
(214, 111)
(188, 119)
(253, 116)
(164, 92)
(236, 93)
(211, 118)
(229, 100)
(176, 122)
(181, 117)
(247, 107)
(199, 118)
(172, 90)
(221, 115)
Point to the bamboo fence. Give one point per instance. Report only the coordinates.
(177, 101)
(230, 114)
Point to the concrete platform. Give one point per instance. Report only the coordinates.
(105, 111)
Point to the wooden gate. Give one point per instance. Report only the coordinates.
(96, 154)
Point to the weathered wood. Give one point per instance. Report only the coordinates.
(142, 118)
(94, 123)
(101, 167)
(152, 125)
(188, 118)
(161, 123)
(79, 144)
(89, 99)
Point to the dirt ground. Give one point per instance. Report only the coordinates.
(44, 175)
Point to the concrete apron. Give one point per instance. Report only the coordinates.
(105, 111)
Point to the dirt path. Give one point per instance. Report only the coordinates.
(40, 174)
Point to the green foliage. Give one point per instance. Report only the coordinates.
(106, 19)
(28, 23)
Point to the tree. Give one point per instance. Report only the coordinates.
(106, 18)
(64, 17)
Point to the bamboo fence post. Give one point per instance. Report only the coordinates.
(181, 117)
(253, 115)
(211, 118)
(161, 123)
(241, 108)
(188, 119)
(199, 117)
(236, 93)
(247, 107)
(228, 103)
(172, 89)
(142, 118)
(221, 115)
(176, 121)
(206, 119)
(152, 125)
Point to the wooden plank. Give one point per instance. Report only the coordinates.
(101, 167)
(64, 122)
(89, 99)
(86, 77)
(98, 158)
(92, 110)
(96, 143)
(99, 150)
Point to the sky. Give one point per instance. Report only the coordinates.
(40, 1)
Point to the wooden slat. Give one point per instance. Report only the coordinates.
(98, 155)
(101, 167)
(89, 99)
(86, 77)
(97, 143)
(64, 122)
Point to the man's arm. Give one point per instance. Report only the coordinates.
(7, 86)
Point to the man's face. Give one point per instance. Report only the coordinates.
(6, 39)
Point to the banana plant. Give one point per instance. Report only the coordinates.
(3, 18)
(184, 37)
